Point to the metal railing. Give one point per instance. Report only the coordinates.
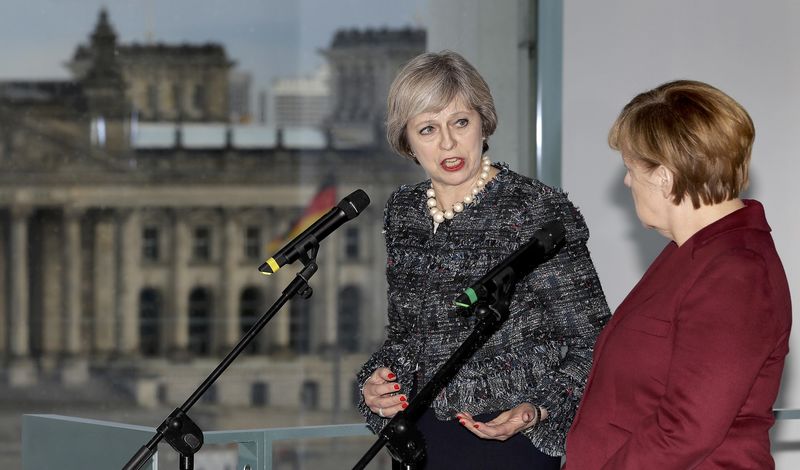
(69, 443)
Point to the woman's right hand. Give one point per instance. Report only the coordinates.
(382, 393)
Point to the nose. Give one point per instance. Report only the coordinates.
(447, 141)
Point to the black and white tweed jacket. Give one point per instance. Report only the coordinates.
(543, 352)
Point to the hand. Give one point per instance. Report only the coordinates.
(382, 394)
(505, 425)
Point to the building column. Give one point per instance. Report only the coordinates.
(72, 280)
(130, 248)
(4, 351)
(279, 325)
(179, 298)
(21, 370)
(330, 325)
(73, 369)
(104, 337)
(229, 311)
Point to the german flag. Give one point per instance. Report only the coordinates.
(320, 204)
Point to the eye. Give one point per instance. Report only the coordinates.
(426, 130)
(463, 122)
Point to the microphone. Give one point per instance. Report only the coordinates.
(544, 243)
(348, 208)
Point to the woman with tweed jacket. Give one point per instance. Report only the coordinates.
(511, 404)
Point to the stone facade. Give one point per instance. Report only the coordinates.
(126, 263)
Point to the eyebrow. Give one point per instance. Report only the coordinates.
(450, 116)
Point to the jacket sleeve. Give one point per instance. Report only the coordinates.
(392, 353)
(724, 333)
(576, 311)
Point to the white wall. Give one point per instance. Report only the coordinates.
(614, 49)
(492, 37)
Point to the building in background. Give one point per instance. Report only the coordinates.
(239, 97)
(363, 64)
(134, 216)
(302, 102)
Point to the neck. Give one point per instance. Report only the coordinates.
(686, 220)
(448, 195)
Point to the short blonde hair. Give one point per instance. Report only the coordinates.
(703, 136)
(428, 83)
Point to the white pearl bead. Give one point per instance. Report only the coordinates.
(438, 217)
(458, 207)
(480, 183)
(433, 210)
(449, 214)
(431, 192)
(432, 202)
(484, 175)
(467, 198)
(475, 191)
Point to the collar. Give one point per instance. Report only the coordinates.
(749, 217)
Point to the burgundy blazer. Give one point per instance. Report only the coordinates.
(687, 371)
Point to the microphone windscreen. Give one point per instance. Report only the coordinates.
(354, 203)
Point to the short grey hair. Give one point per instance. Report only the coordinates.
(428, 83)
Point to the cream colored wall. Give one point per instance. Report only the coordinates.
(617, 48)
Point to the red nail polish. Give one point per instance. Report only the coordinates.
(396, 387)
(391, 376)
(477, 426)
(402, 398)
(404, 405)
(462, 422)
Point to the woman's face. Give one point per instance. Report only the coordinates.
(648, 188)
(448, 144)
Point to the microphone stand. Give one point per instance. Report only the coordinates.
(178, 429)
(400, 435)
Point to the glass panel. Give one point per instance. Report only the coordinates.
(153, 154)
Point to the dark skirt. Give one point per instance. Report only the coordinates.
(450, 446)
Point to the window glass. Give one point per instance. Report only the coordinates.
(188, 141)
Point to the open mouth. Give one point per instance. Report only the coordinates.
(452, 164)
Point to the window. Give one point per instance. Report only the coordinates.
(200, 308)
(177, 100)
(349, 318)
(249, 311)
(199, 98)
(259, 394)
(309, 395)
(152, 100)
(252, 242)
(150, 246)
(300, 326)
(202, 243)
(149, 321)
(352, 239)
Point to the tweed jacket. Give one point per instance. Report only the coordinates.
(541, 354)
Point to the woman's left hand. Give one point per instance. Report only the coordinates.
(505, 425)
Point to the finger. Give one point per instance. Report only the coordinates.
(383, 375)
(477, 428)
(387, 401)
(391, 411)
(390, 401)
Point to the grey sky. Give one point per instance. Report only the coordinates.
(268, 38)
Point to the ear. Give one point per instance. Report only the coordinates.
(665, 180)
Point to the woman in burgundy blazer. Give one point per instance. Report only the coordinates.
(687, 371)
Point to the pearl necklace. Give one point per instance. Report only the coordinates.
(438, 215)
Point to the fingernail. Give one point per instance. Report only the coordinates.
(404, 405)
(477, 426)
(396, 386)
(462, 422)
(391, 376)
(402, 398)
